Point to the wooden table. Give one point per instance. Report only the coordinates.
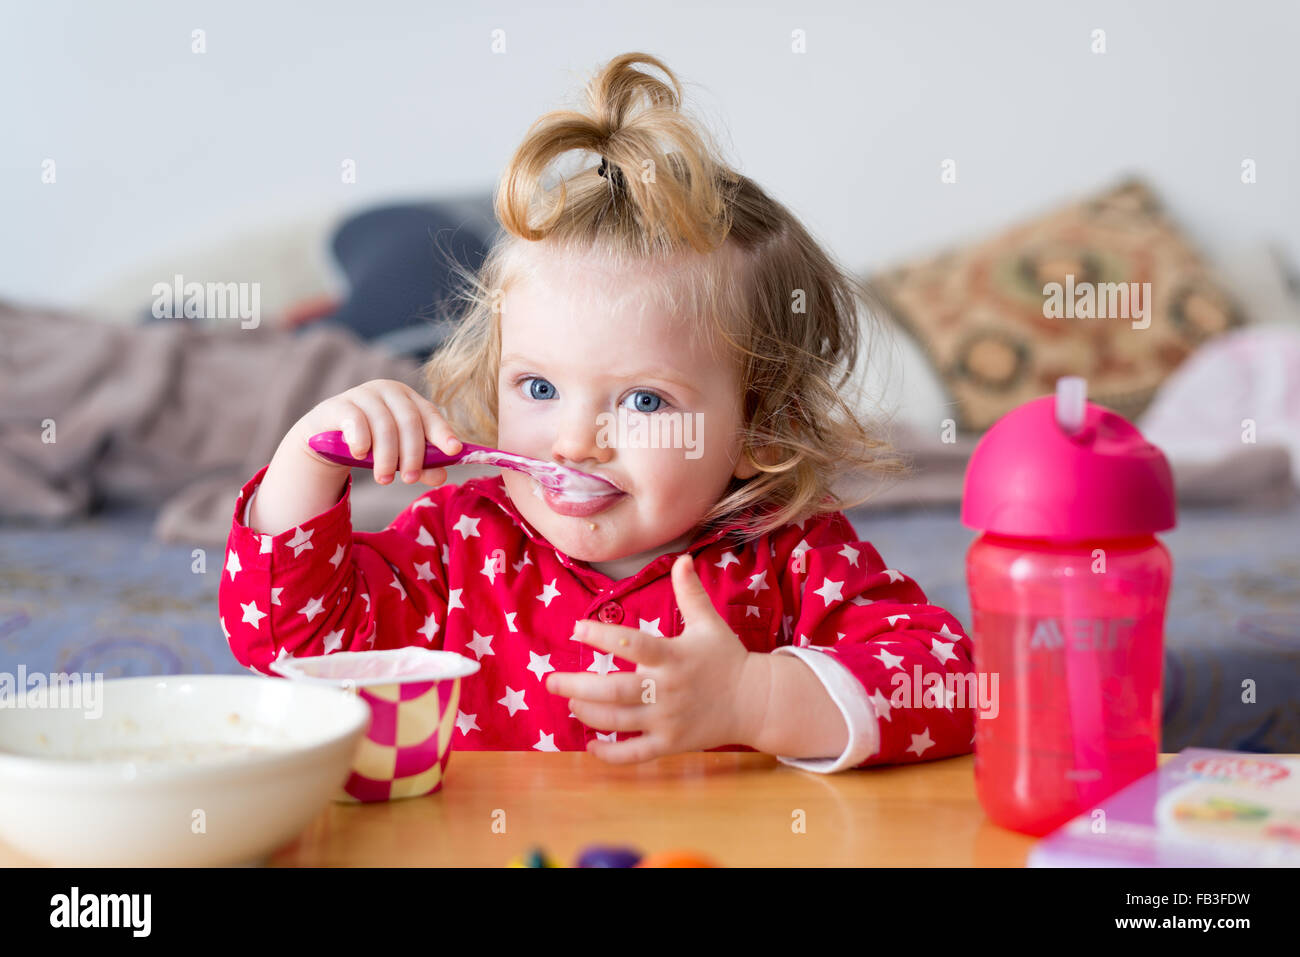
(737, 807)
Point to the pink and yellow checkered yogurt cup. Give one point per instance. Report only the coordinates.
(413, 693)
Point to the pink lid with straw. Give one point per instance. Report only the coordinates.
(1063, 468)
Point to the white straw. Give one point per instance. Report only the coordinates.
(1071, 400)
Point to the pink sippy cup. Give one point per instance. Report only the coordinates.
(1068, 586)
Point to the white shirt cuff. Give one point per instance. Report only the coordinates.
(859, 713)
(248, 507)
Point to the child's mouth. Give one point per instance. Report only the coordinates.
(579, 505)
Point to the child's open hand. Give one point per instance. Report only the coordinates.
(689, 693)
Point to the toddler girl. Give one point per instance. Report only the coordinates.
(661, 322)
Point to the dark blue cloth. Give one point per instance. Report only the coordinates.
(397, 260)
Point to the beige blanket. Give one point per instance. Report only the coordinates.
(180, 414)
(177, 414)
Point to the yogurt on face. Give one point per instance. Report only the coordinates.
(569, 483)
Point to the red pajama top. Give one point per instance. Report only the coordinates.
(435, 578)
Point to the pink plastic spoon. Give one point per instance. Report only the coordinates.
(558, 478)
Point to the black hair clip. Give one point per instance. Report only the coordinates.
(612, 173)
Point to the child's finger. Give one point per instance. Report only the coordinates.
(439, 432)
(433, 476)
(630, 644)
(356, 431)
(384, 435)
(410, 436)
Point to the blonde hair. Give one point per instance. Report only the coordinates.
(743, 269)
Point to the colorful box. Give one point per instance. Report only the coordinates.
(1202, 808)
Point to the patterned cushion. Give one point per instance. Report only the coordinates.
(982, 313)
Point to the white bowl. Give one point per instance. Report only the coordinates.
(200, 770)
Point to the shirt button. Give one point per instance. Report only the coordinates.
(611, 613)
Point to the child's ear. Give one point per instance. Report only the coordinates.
(745, 468)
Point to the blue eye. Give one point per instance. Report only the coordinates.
(646, 402)
(539, 388)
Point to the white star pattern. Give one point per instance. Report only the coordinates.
(921, 743)
(251, 615)
(430, 628)
(468, 527)
(882, 705)
(539, 665)
(481, 645)
(549, 592)
(301, 541)
(830, 591)
(513, 701)
(313, 608)
(942, 650)
(890, 661)
(846, 574)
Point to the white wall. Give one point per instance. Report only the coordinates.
(158, 148)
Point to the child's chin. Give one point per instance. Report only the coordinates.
(577, 541)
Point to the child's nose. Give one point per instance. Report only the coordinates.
(579, 441)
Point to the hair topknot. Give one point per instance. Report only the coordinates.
(667, 187)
